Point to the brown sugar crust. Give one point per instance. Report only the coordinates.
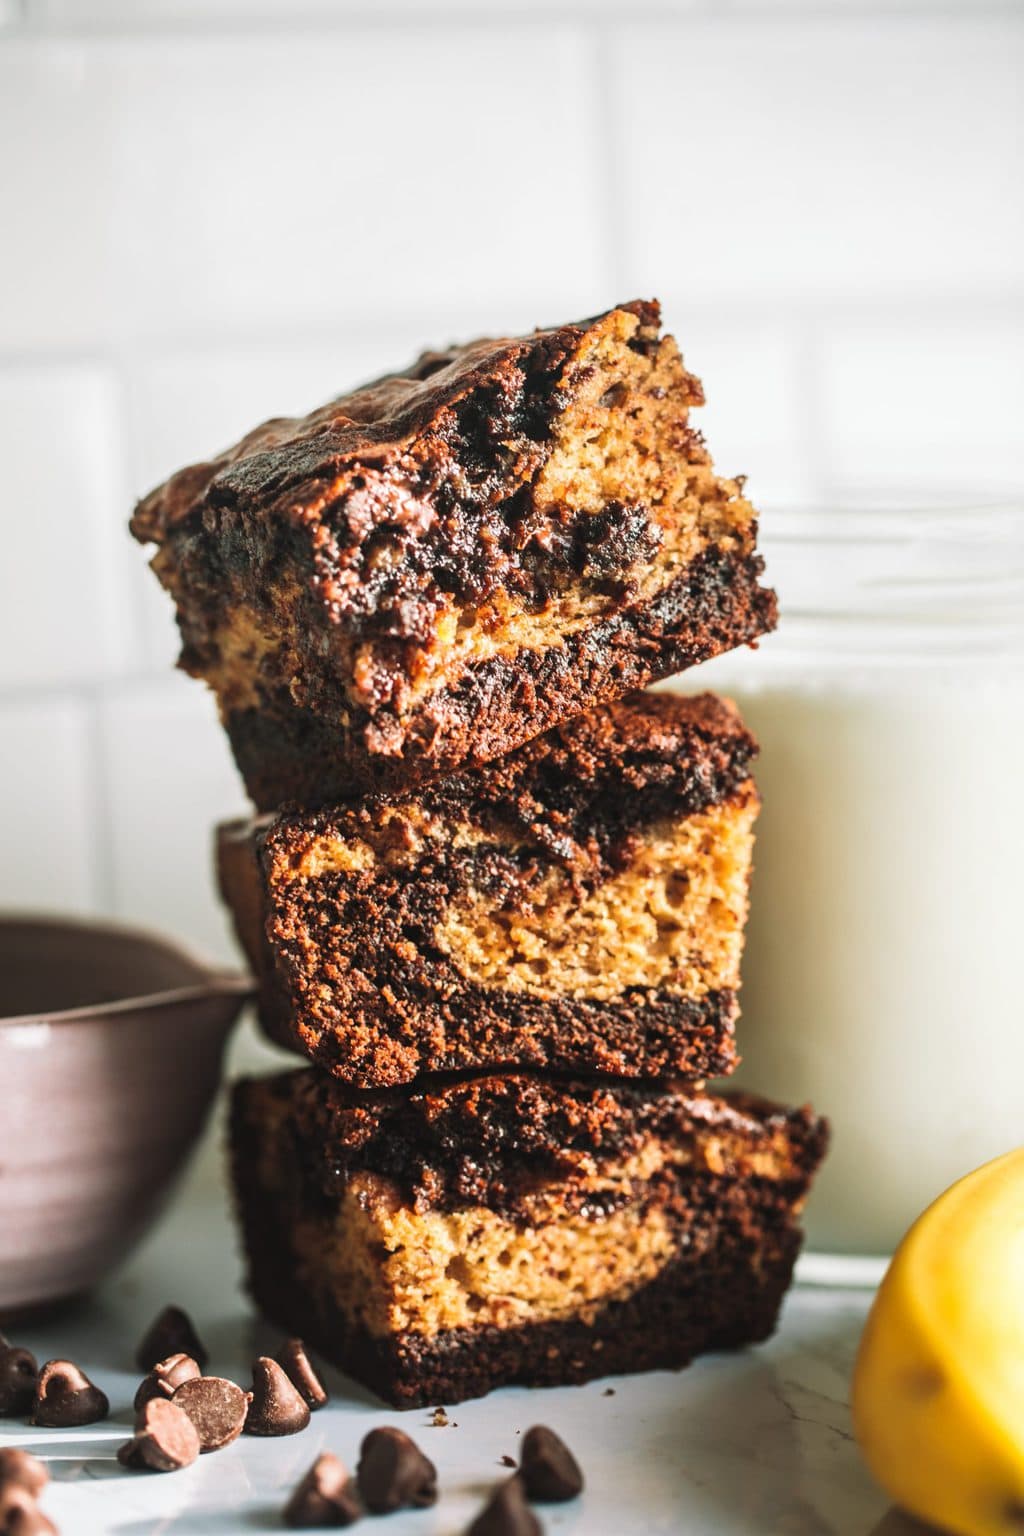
(705, 1189)
(488, 1140)
(438, 567)
(577, 905)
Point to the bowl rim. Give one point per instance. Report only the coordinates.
(211, 981)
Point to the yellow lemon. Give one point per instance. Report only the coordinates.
(938, 1386)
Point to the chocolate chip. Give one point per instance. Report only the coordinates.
(18, 1372)
(65, 1397)
(216, 1407)
(20, 1515)
(324, 1497)
(165, 1438)
(276, 1407)
(506, 1513)
(549, 1470)
(19, 1469)
(393, 1473)
(171, 1333)
(298, 1367)
(22, 1480)
(166, 1377)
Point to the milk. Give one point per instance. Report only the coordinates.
(883, 977)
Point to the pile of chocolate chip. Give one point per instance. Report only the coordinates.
(393, 1473)
(181, 1414)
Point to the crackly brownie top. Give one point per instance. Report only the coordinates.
(490, 1139)
(510, 387)
(579, 790)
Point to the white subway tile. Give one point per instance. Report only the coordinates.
(57, 123)
(337, 174)
(929, 404)
(833, 155)
(170, 778)
(198, 184)
(49, 821)
(63, 616)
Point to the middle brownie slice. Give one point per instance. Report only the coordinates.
(577, 905)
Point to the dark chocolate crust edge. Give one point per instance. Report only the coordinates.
(447, 1142)
(648, 1034)
(287, 754)
(662, 1326)
(642, 1035)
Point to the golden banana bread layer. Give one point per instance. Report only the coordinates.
(434, 569)
(578, 905)
(439, 1241)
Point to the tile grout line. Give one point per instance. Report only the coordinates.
(910, 311)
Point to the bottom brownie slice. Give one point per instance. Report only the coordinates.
(467, 1234)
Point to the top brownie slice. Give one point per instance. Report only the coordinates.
(433, 570)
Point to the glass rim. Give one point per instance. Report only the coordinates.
(892, 521)
(809, 639)
(932, 570)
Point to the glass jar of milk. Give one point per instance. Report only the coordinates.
(884, 969)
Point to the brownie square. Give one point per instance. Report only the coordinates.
(440, 1241)
(578, 905)
(435, 569)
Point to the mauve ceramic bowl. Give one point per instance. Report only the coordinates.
(110, 1053)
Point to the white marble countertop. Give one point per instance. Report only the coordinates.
(752, 1444)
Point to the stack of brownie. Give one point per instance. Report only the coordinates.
(496, 895)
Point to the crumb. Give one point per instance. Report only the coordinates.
(507, 1461)
(440, 1420)
(608, 1392)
